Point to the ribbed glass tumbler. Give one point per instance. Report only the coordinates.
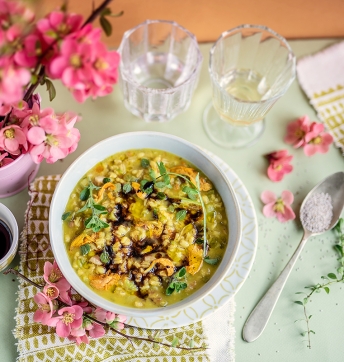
(250, 67)
(159, 69)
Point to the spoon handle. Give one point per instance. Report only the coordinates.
(260, 315)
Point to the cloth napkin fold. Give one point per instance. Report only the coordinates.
(40, 343)
(322, 78)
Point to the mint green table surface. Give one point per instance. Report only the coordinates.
(281, 341)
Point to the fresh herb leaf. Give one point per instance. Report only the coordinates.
(170, 208)
(66, 215)
(104, 257)
(144, 162)
(180, 215)
(152, 175)
(160, 184)
(85, 249)
(211, 261)
(298, 302)
(199, 241)
(85, 194)
(332, 276)
(182, 272)
(161, 196)
(127, 187)
(192, 193)
(327, 290)
(106, 180)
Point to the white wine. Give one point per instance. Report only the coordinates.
(246, 87)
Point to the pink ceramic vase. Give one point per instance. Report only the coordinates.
(17, 175)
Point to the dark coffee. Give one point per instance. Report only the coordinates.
(5, 238)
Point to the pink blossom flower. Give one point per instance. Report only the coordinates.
(317, 140)
(57, 25)
(296, 131)
(279, 165)
(12, 139)
(53, 276)
(104, 316)
(5, 109)
(68, 318)
(51, 291)
(27, 55)
(96, 331)
(4, 159)
(45, 308)
(12, 81)
(78, 335)
(84, 64)
(278, 207)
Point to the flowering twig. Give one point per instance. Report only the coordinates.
(90, 317)
(331, 278)
(97, 11)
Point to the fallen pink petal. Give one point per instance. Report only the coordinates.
(279, 165)
(278, 207)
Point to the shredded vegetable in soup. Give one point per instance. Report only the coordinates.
(145, 228)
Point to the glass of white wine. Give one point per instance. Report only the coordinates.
(250, 67)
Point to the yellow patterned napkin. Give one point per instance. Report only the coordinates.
(322, 78)
(40, 343)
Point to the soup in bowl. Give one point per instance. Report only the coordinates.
(144, 221)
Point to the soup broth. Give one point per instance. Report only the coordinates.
(135, 231)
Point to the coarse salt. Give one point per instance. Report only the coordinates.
(316, 214)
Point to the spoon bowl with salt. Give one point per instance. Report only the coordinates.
(319, 212)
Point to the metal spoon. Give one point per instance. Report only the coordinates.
(258, 319)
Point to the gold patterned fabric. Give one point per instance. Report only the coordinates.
(40, 343)
(321, 76)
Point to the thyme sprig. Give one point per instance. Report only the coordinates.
(329, 279)
(193, 192)
(93, 222)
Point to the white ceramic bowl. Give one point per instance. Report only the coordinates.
(139, 140)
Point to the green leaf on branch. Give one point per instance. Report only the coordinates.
(50, 88)
(298, 302)
(332, 276)
(106, 25)
(327, 290)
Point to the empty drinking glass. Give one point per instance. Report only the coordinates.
(250, 67)
(159, 69)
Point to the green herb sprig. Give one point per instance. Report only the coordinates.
(93, 222)
(193, 192)
(178, 282)
(329, 279)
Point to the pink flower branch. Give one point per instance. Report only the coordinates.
(75, 310)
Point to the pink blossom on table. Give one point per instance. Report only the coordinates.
(278, 207)
(57, 25)
(68, 318)
(297, 130)
(95, 330)
(4, 159)
(279, 165)
(12, 81)
(84, 305)
(13, 140)
(45, 308)
(317, 140)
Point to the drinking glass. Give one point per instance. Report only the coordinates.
(250, 67)
(159, 69)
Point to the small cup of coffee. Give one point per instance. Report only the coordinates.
(8, 237)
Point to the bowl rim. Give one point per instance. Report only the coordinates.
(97, 299)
